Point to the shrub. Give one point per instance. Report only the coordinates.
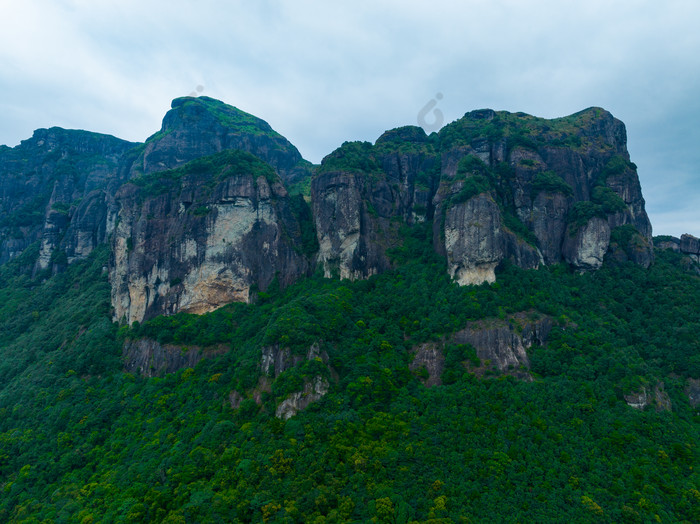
(550, 182)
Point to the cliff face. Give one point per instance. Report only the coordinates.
(558, 186)
(151, 359)
(503, 344)
(199, 237)
(690, 245)
(498, 344)
(199, 215)
(496, 185)
(473, 237)
(47, 181)
(364, 194)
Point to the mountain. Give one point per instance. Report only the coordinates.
(51, 182)
(495, 186)
(202, 126)
(470, 325)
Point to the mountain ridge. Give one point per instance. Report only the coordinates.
(495, 185)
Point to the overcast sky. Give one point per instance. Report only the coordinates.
(324, 72)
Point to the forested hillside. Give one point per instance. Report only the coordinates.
(468, 326)
(83, 441)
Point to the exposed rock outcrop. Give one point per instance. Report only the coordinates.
(364, 194)
(429, 356)
(646, 396)
(150, 358)
(690, 246)
(202, 237)
(693, 392)
(314, 390)
(44, 181)
(539, 169)
(496, 186)
(503, 343)
(275, 360)
(93, 220)
(668, 242)
(547, 220)
(475, 240)
(627, 244)
(500, 344)
(687, 245)
(344, 228)
(586, 248)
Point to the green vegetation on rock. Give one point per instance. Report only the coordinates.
(351, 156)
(229, 116)
(216, 167)
(550, 182)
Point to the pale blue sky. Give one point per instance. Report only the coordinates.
(324, 72)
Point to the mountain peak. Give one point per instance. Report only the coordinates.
(200, 126)
(187, 108)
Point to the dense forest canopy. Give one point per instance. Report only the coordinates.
(83, 441)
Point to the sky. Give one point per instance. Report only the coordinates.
(322, 73)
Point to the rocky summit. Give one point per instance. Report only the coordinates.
(216, 206)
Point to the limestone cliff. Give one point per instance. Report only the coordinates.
(201, 236)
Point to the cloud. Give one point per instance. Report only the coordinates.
(325, 72)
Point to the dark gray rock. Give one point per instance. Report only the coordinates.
(586, 248)
(345, 228)
(151, 359)
(196, 247)
(42, 182)
(503, 343)
(203, 241)
(690, 245)
(429, 356)
(628, 244)
(473, 239)
(670, 243)
(276, 360)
